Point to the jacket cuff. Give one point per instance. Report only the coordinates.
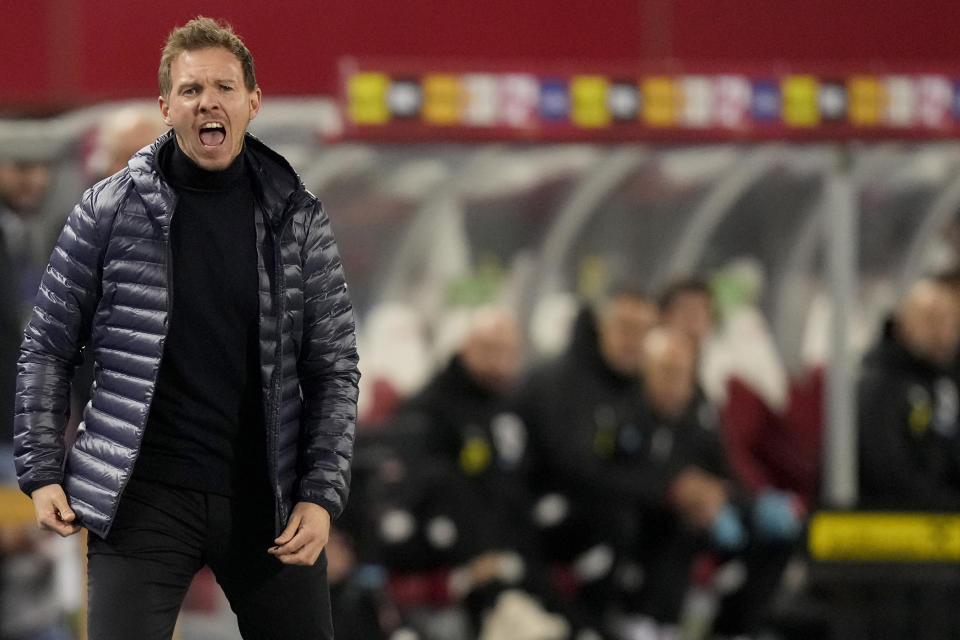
(29, 485)
(331, 503)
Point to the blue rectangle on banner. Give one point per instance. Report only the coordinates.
(766, 100)
(554, 99)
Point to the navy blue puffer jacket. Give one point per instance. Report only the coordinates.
(108, 279)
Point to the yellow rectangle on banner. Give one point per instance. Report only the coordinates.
(588, 95)
(884, 537)
(367, 98)
(867, 101)
(442, 99)
(661, 99)
(800, 104)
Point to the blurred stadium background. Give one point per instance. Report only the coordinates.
(803, 156)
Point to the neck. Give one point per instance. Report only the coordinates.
(184, 172)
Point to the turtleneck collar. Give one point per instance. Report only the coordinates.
(184, 173)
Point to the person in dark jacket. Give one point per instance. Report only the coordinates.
(570, 407)
(690, 504)
(699, 517)
(465, 491)
(221, 421)
(907, 404)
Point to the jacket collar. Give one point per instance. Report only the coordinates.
(274, 180)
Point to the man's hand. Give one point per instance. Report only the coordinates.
(698, 497)
(305, 537)
(53, 511)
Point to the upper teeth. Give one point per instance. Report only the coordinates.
(212, 125)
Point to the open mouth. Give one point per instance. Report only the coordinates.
(212, 134)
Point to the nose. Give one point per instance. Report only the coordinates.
(208, 101)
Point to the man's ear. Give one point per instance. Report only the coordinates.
(165, 111)
(255, 97)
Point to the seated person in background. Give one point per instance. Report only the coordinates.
(696, 508)
(907, 406)
(567, 405)
(455, 526)
(773, 451)
(690, 504)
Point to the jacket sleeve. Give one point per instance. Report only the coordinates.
(50, 351)
(328, 372)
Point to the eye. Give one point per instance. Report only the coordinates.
(226, 87)
(189, 91)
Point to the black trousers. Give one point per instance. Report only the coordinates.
(162, 535)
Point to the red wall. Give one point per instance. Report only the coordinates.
(853, 31)
(61, 53)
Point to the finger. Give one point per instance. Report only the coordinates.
(292, 526)
(46, 517)
(62, 528)
(303, 548)
(305, 557)
(294, 545)
(297, 561)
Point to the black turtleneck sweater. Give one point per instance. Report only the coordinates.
(205, 428)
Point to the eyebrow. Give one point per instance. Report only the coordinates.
(197, 83)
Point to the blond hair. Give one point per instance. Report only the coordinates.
(203, 33)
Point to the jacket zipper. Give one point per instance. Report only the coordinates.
(277, 382)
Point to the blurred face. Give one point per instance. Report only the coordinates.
(928, 322)
(128, 141)
(209, 106)
(621, 328)
(691, 312)
(23, 186)
(492, 354)
(668, 365)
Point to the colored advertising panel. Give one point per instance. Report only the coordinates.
(569, 105)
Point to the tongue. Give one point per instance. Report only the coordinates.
(212, 137)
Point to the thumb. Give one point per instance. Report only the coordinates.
(291, 529)
(63, 509)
